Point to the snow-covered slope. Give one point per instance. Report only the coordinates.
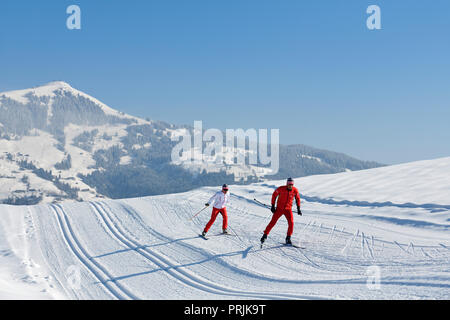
(422, 182)
(148, 248)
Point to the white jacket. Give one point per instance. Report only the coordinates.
(219, 200)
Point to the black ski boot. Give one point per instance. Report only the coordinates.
(264, 237)
(203, 234)
(288, 240)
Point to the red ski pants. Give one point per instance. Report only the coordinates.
(278, 213)
(214, 214)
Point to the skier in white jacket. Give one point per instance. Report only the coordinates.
(219, 201)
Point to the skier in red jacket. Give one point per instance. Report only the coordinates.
(285, 195)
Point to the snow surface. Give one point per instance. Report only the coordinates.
(148, 248)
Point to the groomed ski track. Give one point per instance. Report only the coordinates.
(358, 243)
(148, 249)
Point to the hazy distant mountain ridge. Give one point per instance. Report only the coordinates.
(300, 160)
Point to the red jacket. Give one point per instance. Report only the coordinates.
(286, 197)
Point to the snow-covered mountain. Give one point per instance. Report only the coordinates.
(51, 92)
(374, 234)
(49, 136)
(58, 143)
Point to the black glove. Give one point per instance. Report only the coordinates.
(207, 204)
(273, 209)
(299, 211)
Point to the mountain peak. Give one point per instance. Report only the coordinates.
(43, 90)
(55, 88)
(57, 85)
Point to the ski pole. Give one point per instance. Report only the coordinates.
(198, 213)
(261, 204)
(267, 206)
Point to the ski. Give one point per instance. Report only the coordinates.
(292, 245)
(217, 235)
(264, 246)
(225, 234)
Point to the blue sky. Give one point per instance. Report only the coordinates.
(309, 68)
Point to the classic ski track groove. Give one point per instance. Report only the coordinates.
(168, 212)
(182, 275)
(95, 268)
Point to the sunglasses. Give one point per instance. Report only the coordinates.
(225, 189)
